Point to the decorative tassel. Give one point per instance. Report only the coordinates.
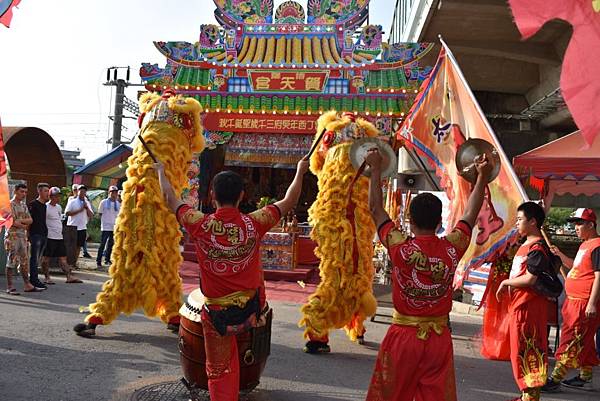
(537, 183)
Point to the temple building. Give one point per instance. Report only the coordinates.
(264, 75)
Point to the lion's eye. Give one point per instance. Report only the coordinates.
(328, 138)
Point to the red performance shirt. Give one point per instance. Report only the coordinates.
(529, 258)
(581, 277)
(227, 244)
(424, 268)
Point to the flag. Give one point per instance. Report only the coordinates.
(579, 85)
(6, 7)
(445, 115)
(5, 211)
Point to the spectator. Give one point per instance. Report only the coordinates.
(70, 232)
(79, 212)
(38, 232)
(55, 247)
(74, 189)
(108, 210)
(15, 242)
(74, 192)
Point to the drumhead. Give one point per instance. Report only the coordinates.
(192, 308)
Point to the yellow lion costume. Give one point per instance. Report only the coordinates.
(146, 255)
(344, 232)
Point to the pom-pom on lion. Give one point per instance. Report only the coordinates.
(344, 232)
(146, 255)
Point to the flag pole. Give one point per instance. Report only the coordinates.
(485, 120)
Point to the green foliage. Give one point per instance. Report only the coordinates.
(557, 217)
(93, 229)
(65, 192)
(264, 201)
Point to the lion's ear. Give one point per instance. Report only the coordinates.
(148, 100)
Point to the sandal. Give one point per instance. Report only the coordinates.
(34, 289)
(12, 291)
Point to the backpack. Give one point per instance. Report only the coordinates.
(548, 284)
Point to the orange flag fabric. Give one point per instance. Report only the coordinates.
(444, 116)
(5, 212)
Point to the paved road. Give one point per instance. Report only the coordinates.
(41, 359)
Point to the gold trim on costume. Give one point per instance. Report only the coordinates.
(424, 323)
(192, 216)
(263, 216)
(533, 366)
(459, 239)
(238, 298)
(395, 237)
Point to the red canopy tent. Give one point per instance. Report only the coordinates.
(562, 166)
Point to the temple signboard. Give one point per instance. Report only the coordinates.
(263, 123)
(288, 80)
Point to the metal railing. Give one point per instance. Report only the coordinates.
(400, 20)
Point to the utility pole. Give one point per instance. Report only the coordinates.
(118, 113)
(121, 101)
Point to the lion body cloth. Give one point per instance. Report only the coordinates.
(146, 255)
(344, 230)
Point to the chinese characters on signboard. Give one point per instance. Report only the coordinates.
(260, 123)
(288, 81)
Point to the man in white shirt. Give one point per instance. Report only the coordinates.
(108, 210)
(55, 246)
(74, 189)
(79, 212)
(74, 192)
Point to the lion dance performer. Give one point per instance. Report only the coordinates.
(344, 232)
(146, 255)
(416, 360)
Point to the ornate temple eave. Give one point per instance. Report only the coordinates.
(285, 52)
(291, 63)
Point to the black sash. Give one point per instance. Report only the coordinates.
(233, 315)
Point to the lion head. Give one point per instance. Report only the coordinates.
(339, 129)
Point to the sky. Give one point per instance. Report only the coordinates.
(54, 56)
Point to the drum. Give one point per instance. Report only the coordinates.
(254, 347)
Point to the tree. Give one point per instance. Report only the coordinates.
(557, 217)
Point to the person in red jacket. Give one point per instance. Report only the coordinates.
(580, 310)
(231, 276)
(528, 310)
(422, 277)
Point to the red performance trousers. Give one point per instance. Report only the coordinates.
(577, 347)
(222, 364)
(409, 368)
(529, 343)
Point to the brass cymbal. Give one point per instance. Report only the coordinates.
(360, 148)
(469, 151)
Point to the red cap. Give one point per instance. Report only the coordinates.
(582, 214)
